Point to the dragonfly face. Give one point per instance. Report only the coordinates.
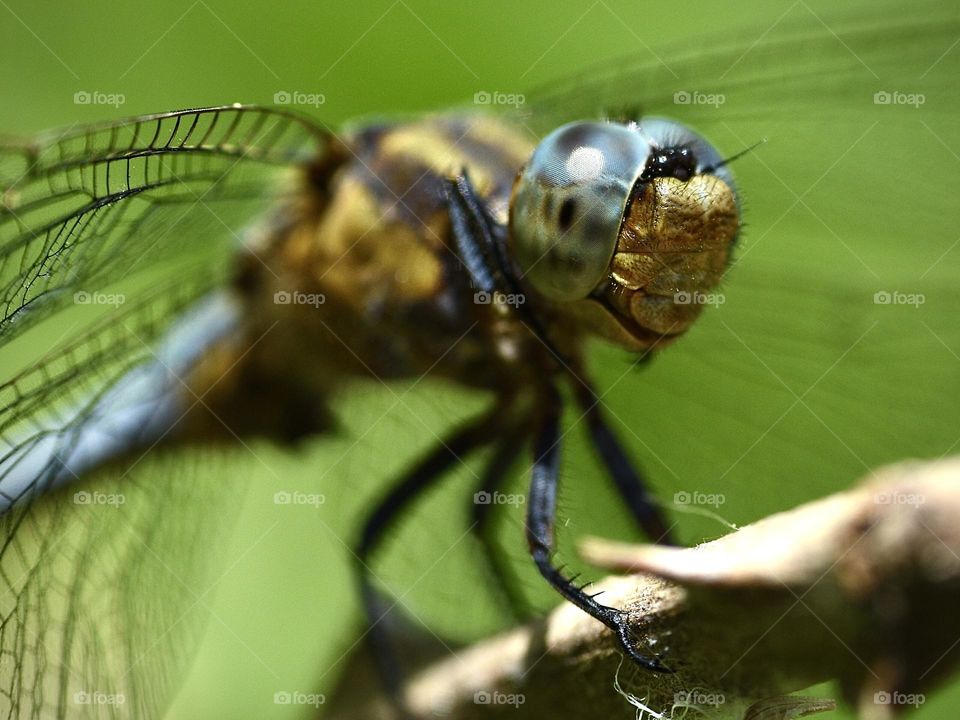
(626, 222)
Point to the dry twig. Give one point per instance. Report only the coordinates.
(861, 587)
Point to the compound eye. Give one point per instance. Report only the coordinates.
(568, 205)
(568, 211)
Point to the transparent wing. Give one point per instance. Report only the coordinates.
(100, 580)
(111, 234)
(87, 207)
(805, 66)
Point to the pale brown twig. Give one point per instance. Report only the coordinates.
(861, 587)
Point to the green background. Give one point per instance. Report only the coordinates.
(718, 414)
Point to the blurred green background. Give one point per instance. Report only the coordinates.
(794, 387)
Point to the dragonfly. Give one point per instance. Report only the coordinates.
(276, 264)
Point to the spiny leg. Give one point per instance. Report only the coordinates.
(541, 515)
(626, 478)
(504, 456)
(412, 483)
(480, 242)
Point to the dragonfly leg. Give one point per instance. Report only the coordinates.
(541, 516)
(482, 509)
(474, 233)
(626, 478)
(424, 473)
(480, 242)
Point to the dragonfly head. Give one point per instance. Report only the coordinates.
(629, 227)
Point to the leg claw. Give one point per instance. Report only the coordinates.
(623, 635)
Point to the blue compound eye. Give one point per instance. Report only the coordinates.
(569, 202)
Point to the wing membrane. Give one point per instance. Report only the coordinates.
(805, 64)
(89, 207)
(101, 579)
(101, 598)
